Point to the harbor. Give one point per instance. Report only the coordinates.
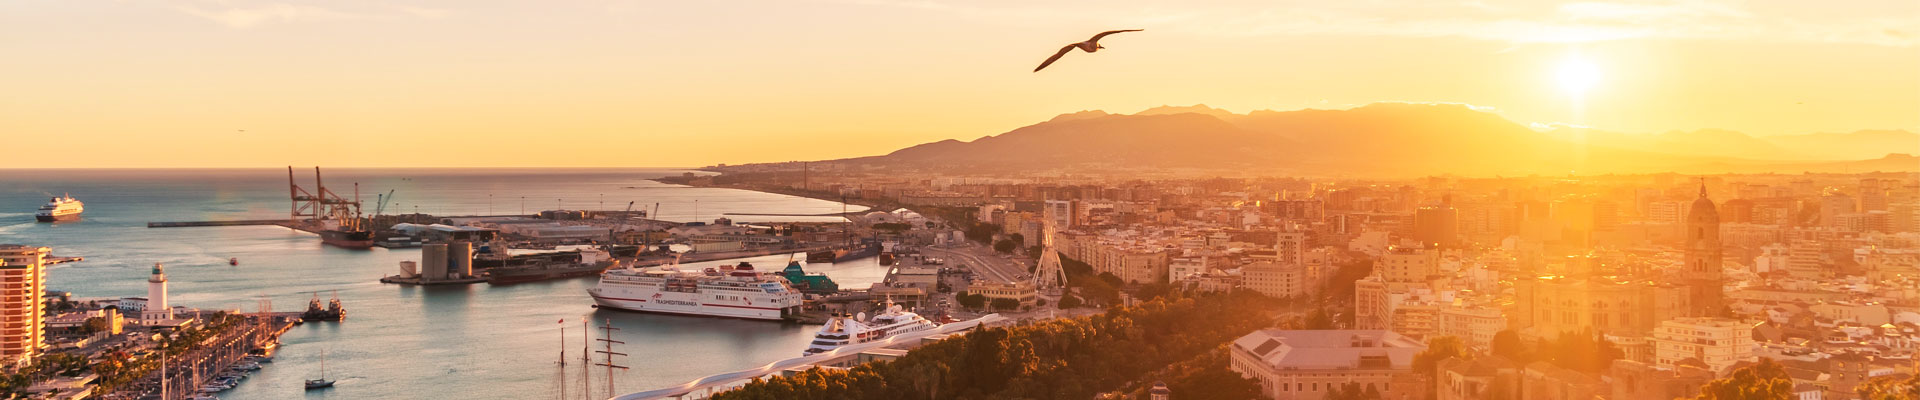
(469, 339)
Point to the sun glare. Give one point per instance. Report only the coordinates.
(1577, 75)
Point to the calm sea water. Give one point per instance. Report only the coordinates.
(478, 341)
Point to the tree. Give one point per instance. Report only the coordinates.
(96, 325)
(1353, 391)
(969, 300)
(1506, 344)
(1890, 388)
(1005, 246)
(1069, 301)
(1215, 383)
(1439, 348)
(1319, 320)
(1765, 380)
(1005, 304)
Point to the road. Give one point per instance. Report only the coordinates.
(981, 261)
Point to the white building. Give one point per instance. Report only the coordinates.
(1718, 342)
(1306, 365)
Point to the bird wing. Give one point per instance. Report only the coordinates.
(1096, 38)
(1056, 56)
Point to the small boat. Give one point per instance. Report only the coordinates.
(322, 382)
(233, 261)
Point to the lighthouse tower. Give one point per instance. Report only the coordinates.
(157, 308)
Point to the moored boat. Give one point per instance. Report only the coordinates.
(845, 330)
(733, 292)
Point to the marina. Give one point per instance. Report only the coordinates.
(468, 341)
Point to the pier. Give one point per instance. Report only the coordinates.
(244, 222)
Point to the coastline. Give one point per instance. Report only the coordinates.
(870, 204)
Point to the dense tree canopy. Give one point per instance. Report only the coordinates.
(1890, 387)
(1058, 359)
(1766, 380)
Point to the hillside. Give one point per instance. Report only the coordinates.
(1385, 139)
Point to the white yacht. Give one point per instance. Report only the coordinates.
(61, 208)
(731, 291)
(843, 330)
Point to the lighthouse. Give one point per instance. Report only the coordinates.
(157, 308)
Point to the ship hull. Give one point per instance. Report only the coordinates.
(505, 279)
(348, 240)
(56, 218)
(677, 306)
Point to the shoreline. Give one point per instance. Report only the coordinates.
(869, 204)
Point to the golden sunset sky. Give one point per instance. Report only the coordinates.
(346, 83)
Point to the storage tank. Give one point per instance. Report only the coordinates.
(433, 260)
(460, 256)
(409, 269)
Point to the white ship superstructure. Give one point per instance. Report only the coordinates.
(844, 330)
(61, 208)
(736, 292)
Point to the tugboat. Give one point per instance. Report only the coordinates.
(333, 312)
(63, 208)
(233, 261)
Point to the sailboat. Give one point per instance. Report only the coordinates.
(322, 382)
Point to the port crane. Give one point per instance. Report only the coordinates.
(323, 205)
(614, 235)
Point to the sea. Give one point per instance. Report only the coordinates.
(405, 342)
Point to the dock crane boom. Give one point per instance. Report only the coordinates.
(624, 217)
(382, 206)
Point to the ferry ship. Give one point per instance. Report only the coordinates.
(733, 292)
(843, 330)
(61, 208)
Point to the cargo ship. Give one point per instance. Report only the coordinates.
(63, 208)
(867, 248)
(729, 291)
(590, 262)
(822, 256)
(347, 239)
(809, 283)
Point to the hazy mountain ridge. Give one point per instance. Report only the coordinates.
(1387, 139)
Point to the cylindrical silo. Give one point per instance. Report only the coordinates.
(461, 256)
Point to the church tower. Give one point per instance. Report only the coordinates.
(157, 307)
(1704, 280)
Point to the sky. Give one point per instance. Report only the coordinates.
(465, 83)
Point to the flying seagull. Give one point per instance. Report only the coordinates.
(1091, 45)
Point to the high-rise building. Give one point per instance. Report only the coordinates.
(157, 307)
(1436, 226)
(22, 280)
(1833, 206)
(1704, 280)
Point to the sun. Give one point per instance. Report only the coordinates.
(1577, 75)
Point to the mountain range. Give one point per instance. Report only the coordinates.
(1389, 139)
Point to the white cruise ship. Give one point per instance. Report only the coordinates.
(844, 330)
(61, 208)
(736, 292)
